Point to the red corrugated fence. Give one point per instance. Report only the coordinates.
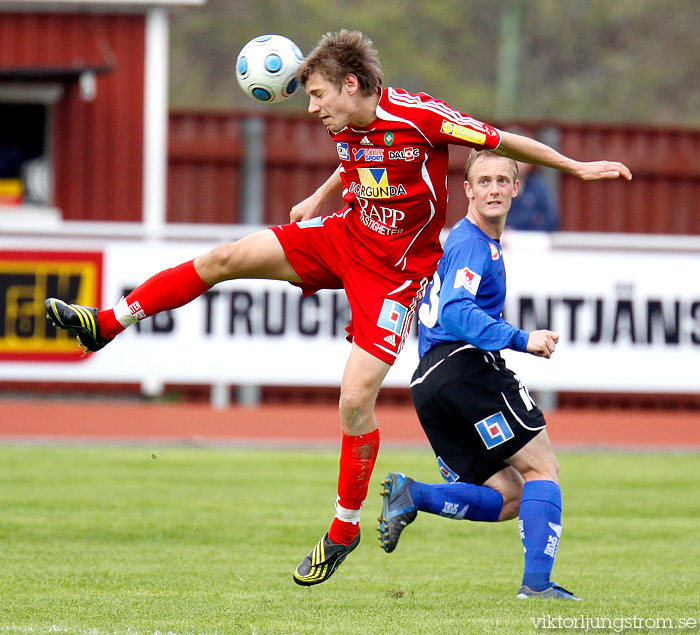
(207, 149)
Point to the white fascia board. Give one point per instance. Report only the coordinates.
(43, 5)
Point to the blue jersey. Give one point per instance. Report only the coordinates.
(464, 302)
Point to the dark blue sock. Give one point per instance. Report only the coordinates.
(457, 500)
(540, 530)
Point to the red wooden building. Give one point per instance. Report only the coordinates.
(83, 108)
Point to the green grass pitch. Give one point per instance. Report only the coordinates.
(126, 541)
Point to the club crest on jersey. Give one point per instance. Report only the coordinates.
(389, 138)
(374, 183)
(494, 430)
(494, 252)
(343, 150)
(468, 279)
(462, 132)
(392, 316)
(368, 154)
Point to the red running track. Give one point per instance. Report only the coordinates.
(99, 422)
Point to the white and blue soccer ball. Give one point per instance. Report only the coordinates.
(266, 68)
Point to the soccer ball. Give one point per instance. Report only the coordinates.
(266, 68)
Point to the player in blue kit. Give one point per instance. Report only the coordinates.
(488, 435)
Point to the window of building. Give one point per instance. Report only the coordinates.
(26, 115)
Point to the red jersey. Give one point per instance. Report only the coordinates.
(395, 178)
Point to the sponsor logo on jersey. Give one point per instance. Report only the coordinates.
(462, 132)
(389, 138)
(494, 430)
(468, 279)
(405, 154)
(494, 252)
(374, 183)
(365, 141)
(391, 339)
(379, 218)
(368, 154)
(448, 474)
(392, 316)
(343, 150)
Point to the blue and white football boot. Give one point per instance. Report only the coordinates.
(553, 592)
(398, 510)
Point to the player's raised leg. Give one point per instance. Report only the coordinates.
(259, 255)
(362, 379)
(496, 500)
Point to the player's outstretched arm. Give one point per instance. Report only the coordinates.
(311, 206)
(542, 343)
(598, 170)
(531, 151)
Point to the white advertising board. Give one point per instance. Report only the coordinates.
(629, 320)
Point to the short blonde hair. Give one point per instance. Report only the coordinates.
(474, 155)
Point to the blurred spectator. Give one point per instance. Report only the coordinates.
(10, 160)
(35, 176)
(534, 208)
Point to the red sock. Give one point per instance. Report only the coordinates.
(357, 457)
(166, 290)
(109, 327)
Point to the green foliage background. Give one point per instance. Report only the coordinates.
(604, 60)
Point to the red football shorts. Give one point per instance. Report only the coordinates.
(383, 302)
